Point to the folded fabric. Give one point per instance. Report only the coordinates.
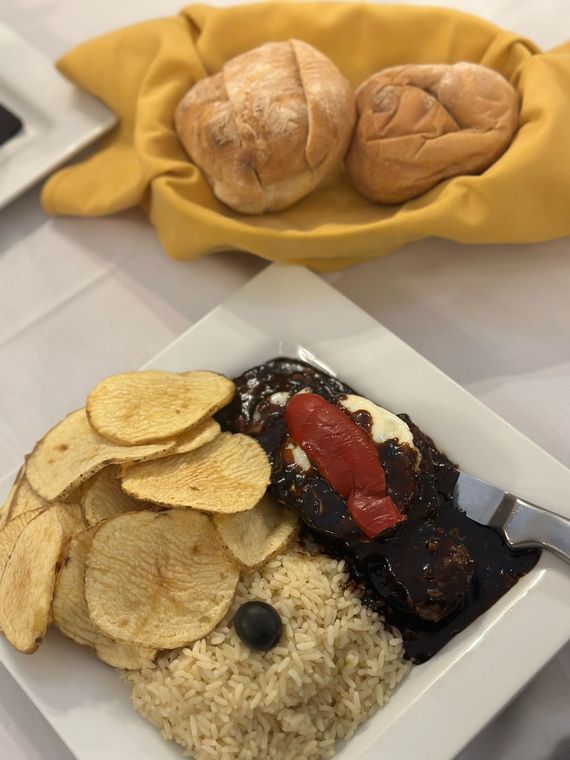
(142, 72)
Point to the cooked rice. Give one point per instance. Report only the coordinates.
(334, 667)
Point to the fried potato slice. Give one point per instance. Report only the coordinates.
(158, 579)
(230, 474)
(10, 535)
(6, 511)
(142, 407)
(26, 499)
(197, 436)
(105, 498)
(71, 519)
(21, 579)
(72, 452)
(253, 537)
(27, 584)
(71, 616)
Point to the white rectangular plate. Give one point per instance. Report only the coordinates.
(444, 702)
(59, 119)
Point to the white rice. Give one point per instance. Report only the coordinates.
(333, 668)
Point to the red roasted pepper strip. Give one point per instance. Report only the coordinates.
(346, 458)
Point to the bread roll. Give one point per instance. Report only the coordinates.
(420, 124)
(269, 127)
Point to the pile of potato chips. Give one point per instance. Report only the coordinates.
(130, 521)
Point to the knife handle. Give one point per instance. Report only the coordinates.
(531, 526)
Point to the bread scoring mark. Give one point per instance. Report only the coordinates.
(310, 124)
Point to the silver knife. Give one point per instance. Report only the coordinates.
(522, 524)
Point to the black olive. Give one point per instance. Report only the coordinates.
(258, 625)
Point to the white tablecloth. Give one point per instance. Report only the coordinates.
(80, 299)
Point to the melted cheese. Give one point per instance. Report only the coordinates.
(385, 425)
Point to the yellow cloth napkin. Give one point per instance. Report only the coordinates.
(141, 72)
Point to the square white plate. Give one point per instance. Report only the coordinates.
(59, 119)
(444, 702)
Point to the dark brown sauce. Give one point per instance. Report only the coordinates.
(433, 574)
(10, 125)
(363, 419)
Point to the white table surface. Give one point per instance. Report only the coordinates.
(80, 299)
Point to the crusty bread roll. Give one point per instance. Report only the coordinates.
(420, 124)
(269, 127)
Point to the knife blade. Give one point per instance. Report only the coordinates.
(523, 525)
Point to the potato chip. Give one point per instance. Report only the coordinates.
(71, 519)
(230, 474)
(71, 616)
(72, 452)
(142, 407)
(158, 579)
(105, 498)
(6, 511)
(76, 495)
(27, 584)
(197, 436)
(25, 499)
(11, 534)
(253, 537)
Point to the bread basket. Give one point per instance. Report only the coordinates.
(143, 71)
